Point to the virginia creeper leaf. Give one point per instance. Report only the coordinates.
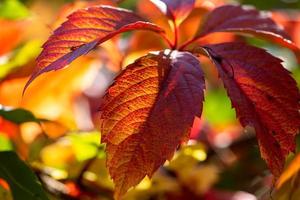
(176, 10)
(248, 20)
(83, 31)
(264, 95)
(147, 112)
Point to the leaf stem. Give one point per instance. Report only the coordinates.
(164, 37)
(184, 45)
(176, 34)
(85, 168)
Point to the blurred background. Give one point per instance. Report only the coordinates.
(52, 126)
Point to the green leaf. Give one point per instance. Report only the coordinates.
(36, 147)
(19, 116)
(5, 144)
(13, 9)
(22, 181)
(217, 107)
(86, 145)
(128, 4)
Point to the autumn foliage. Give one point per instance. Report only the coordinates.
(149, 110)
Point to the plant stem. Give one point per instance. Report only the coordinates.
(176, 34)
(184, 45)
(85, 168)
(167, 40)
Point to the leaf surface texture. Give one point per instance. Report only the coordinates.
(147, 112)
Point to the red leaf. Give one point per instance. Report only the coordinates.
(264, 95)
(246, 19)
(147, 113)
(8, 128)
(82, 32)
(176, 10)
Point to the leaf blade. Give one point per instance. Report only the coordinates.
(83, 31)
(248, 20)
(22, 181)
(176, 10)
(143, 120)
(258, 93)
(19, 116)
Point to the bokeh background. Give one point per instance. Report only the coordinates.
(52, 127)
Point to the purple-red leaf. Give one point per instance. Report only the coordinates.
(248, 20)
(82, 32)
(176, 10)
(264, 95)
(147, 112)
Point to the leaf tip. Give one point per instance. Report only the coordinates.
(30, 80)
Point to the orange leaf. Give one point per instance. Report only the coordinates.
(151, 12)
(291, 171)
(11, 35)
(83, 31)
(264, 95)
(147, 112)
(4, 184)
(291, 24)
(55, 101)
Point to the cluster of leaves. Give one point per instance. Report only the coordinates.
(218, 160)
(149, 110)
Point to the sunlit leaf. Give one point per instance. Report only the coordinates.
(248, 20)
(84, 30)
(257, 85)
(176, 10)
(151, 11)
(55, 102)
(147, 113)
